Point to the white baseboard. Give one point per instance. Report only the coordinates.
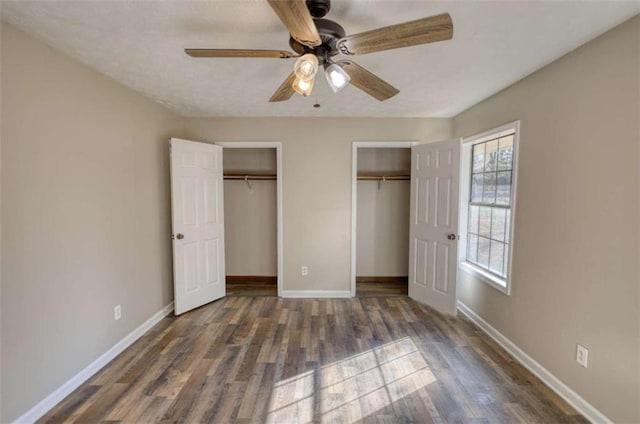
(63, 391)
(564, 391)
(316, 293)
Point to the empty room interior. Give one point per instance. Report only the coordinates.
(290, 211)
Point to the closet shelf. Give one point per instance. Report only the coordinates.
(245, 177)
(390, 177)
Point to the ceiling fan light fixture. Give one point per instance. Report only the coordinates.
(306, 67)
(337, 77)
(303, 86)
(318, 40)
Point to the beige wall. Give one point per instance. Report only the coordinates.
(575, 267)
(383, 229)
(250, 160)
(1, 391)
(250, 214)
(250, 228)
(384, 160)
(316, 183)
(85, 213)
(383, 214)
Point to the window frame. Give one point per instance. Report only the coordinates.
(466, 165)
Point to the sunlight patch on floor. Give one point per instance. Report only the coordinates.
(353, 388)
(292, 399)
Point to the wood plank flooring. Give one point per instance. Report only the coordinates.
(251, 287)
(269, 360)
(382, 288)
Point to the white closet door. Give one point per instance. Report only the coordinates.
(434, 224)
(198, 223)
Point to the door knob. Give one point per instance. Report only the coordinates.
(451, 236)
(179, 236)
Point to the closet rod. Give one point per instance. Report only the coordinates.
(250, 177)
(384, 177)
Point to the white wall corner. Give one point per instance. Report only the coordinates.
(74, 382)
(554, 383)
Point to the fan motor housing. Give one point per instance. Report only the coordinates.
(330, 32)
(318, 8)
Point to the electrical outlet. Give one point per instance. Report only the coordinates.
(582, 355)
(304, 271)
(117, 312)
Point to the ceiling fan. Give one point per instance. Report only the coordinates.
(317, 40)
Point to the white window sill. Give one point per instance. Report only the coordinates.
(485, 277)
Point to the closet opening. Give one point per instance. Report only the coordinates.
(252, 218)
(381, 192)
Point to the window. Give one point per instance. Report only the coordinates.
(488, 194)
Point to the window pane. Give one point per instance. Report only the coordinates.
(476, 188)
(474, 214)
(489, 192)
(484, 226)
(505, 154)
(506, 261)
(498, 217)
(488, 243)
(472, 248)
(478, 158)
(503, 191)
(507, 227)
(483, 252)
(496, 258)
(491, 156)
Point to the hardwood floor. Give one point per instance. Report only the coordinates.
(365, 286)
(270, 360)
(381, 288)
(252, 287)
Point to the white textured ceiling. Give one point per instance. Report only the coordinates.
(140, 44)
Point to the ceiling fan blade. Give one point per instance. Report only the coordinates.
(421, 31)
(368, 82)
(296, 17)
(285, 91)
(278, 54)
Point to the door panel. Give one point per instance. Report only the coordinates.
(441, 279)
(422, 205)
(212, 255)
(443, 202)
(422, 257)
(434, 217)
(198, 223)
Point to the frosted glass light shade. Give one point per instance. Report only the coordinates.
(336, 77)
(306, 67)
(303, 87)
